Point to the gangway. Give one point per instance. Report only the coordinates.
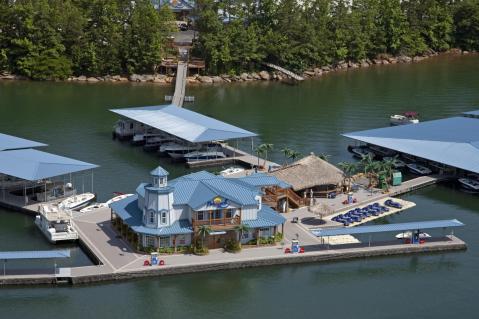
(284, 71)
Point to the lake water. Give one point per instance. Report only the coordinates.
(74, 120)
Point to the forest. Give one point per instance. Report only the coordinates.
(54, 39)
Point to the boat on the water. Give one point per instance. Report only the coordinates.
(203, 155)
(408, 234)
(93, 207)
(177, 150)
(77, 202)
(397, 163)
(55, 223)
(469, 184)
(231, 171)
(382, 151)
(405, 118)
(418, 169)
(117, 198)
(361, 152)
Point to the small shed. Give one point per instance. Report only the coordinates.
(311, 176)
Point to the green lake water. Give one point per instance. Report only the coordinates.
(74, 120)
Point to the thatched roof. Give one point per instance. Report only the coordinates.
(309, 172)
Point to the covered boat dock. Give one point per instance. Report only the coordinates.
(187, 127)
(30, 176)
(450, 146)
(33, 255)
(414, 228)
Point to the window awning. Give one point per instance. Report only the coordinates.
(34, 165)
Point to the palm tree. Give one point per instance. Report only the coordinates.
(324, 157)
(348, 170)
(286, 152)
(267, 148)
(293, 155)
(259, 150)
(203, 231)
(241, 229)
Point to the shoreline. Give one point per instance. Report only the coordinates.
(102, 275)
(261, 76)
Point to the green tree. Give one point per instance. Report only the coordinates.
(241, 229)
(466, 21)
(203, 231)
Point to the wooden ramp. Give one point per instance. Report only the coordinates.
(284, 71)
(180, 84)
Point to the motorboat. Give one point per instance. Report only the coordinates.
(469, 184)
(397, 163)
(117, 198)
(55, 223)
(76, 202)
(176, 150)
(153, 143)
(93, 207)
(203, 155)
(405, 118)
(231, 171)
(362, 152)
(382, 151)
(418, 169)
(408, 234)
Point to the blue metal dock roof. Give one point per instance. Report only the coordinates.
(36, 254)
(9, 142)
(452, 141)
(323, 232)
(185, 124)
(33, 165)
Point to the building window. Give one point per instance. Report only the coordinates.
(246, 235)
(163, 218)
(149, 241)
(200, 215)
(131, 125)
(162, 180)
(229, 213)
(151, 217)
(164, 241)
(216, 214)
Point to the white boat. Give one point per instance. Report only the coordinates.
(361, 152)
(418, 169)
(203, 155)
(408, 234)
(231, 171)
(117, 198)
(55, 223)
(469, 184)
(93, 207)
(405, 118)
(176, 150)
(77, 201)
(397, 163)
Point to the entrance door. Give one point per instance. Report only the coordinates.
(216, 241)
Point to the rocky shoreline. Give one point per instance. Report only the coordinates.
(264, 75)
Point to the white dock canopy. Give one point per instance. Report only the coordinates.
(34, 165)
(185, 124)
(9, 142)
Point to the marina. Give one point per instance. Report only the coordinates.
(351, 279)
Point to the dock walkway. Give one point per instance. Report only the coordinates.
(234, 155)
(180, 84)
(284, 71)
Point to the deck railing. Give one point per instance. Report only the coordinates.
(217, 222)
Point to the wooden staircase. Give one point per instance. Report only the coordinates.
(273, 195)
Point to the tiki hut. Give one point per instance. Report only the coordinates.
(311, 176)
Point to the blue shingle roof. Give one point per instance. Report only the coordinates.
(267, 217)
(387, 228)
(199, 188)
(453, 141)
(185, 124)
(159, 171)
(127, 209)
